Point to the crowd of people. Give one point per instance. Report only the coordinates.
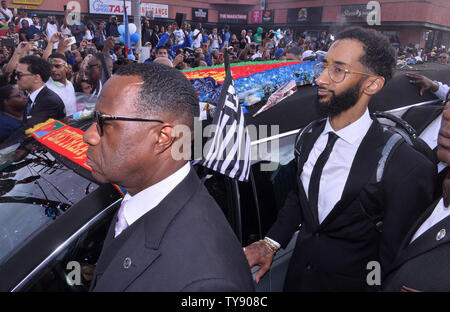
(43, 69)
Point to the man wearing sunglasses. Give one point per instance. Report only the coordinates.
(169, 234)
(347, 222)
(42, 103)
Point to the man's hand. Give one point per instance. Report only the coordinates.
(23, 47)
(178, 59)
(55, 37)
(260, 254)
(109, 44)
(424, 83)
(63, 45)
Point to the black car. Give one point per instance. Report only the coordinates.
(54, 216)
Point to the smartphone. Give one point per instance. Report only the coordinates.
(65, 7)
(116, 40)
(72, 40)
(8, 42)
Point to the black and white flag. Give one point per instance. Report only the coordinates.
(229, 152)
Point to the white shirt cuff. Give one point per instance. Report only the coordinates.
(441, 93)
(273, 242)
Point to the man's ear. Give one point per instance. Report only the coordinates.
(165, 139)
(373, 85)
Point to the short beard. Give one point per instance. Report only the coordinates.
(338, 103)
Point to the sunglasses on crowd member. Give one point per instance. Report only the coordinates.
(336, 72)
(100, 119)
(19, 75)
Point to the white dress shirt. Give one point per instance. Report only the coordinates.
(336, 170)
(34, 94)
(438, 214)
(441, 93)
(66, 93)
(144, 201)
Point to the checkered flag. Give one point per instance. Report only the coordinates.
(229, 152)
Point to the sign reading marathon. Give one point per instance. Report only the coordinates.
(199, 15)
(305, 15)
(354, 13)
(232, 17)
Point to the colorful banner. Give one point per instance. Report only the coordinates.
(261, 16)
(63, 139)
(238, 70)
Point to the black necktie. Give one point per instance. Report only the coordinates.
(314, 182)
(29, 103)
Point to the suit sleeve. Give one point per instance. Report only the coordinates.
(52, 107)
(409, 184)
(288, 219)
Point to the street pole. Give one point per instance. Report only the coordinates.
(137, 22)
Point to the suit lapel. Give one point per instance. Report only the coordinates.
(415, 116)
(126, 257)
(428, 240)
(362, 169)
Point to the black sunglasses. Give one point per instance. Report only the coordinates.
(100, 118)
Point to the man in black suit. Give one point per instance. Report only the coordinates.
(42, 104)
(347, 218)
(169, 234)
(422, 263)
(426, 119)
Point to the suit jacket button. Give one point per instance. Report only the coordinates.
(441, 234)
(317, 234)
(127, 263)
(308, 267)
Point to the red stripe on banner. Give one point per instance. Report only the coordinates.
(237, 71)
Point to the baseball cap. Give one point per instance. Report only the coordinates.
(308, 54)
(249, 30)
(33, 15)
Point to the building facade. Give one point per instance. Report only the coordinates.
(425, 23)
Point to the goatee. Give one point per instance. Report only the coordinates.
(338, 103)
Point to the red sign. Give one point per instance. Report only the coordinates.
(256, 17)
(63, 139)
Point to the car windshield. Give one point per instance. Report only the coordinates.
(35, 189)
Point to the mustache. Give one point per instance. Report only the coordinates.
(325, 89)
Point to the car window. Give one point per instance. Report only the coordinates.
(73, 268)
(272, 177)
(34, 191)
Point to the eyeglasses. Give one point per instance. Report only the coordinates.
(336, 72)
(18, 95)
(20, 75)
(92, 65)
(100, 119)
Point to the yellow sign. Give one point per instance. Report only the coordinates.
(28, 2)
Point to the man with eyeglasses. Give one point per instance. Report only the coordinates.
(168, 234)
(32, 73)
(348, 220)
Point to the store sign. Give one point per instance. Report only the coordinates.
(199, 15)
(305, 15)
(261, 16)
(27, 2)
(159, 10)
(108, 7)
(355, 13)
(235, 18)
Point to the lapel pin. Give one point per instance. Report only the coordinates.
(441, 234)
(127, 263)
